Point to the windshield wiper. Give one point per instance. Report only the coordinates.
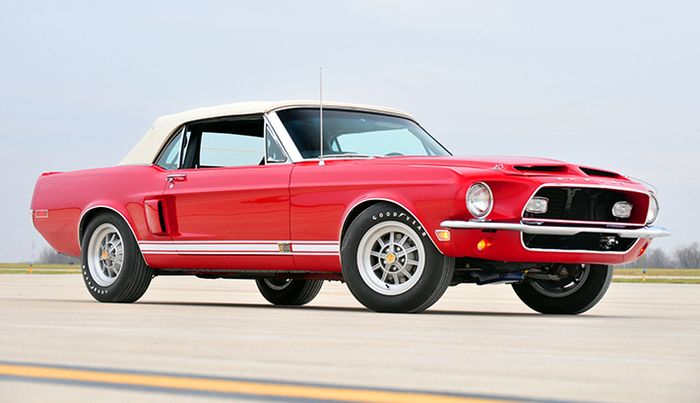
(346, 155)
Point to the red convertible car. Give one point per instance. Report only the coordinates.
(294, 193)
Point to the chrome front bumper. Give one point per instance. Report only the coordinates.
(644, 232)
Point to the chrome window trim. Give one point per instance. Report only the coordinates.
(283, 136)
(166, 143)
(275, 138)
(347, 108)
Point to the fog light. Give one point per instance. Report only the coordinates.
(537, 205)
(622, 209)
(483, 244)
(442, 235)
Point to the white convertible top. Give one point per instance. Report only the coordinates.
(147, 149)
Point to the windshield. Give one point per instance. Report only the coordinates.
(353, 133)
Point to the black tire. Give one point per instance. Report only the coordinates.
(431, 285)
(587, 295)
(289, 292)
(133, 278)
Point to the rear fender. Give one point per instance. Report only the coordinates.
(101, 206)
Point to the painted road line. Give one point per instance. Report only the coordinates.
(220, 386)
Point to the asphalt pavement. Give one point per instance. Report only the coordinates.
(190, 339)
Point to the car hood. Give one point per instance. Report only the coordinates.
(528, 166)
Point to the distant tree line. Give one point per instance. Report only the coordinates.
(50, 256)
(684, 256)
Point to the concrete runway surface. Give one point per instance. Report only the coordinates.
(191, 339)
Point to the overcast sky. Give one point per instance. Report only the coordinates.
(609, 84)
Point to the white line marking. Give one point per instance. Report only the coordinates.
(229, 247)
(315, 248)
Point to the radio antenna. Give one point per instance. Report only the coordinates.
(320, 110)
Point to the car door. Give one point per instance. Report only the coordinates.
(229, 200)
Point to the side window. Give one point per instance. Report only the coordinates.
(170, 158)
(229, 150)
(225, 142)
(274, 152)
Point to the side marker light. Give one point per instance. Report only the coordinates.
(443, 235)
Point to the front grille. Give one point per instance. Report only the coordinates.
(595, 242)
(580, 204)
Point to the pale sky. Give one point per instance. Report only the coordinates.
(609, 84)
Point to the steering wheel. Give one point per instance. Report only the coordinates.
(394, 154)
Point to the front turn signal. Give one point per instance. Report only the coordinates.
(643, 249)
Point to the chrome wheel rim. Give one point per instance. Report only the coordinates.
(277, 284)
(105, 255)
(391, 258)
(564, 287)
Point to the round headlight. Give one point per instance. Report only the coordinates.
(479, 200)
(653, 211)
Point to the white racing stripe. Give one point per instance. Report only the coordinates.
(315, 247)
(223, 247)
(242, 247)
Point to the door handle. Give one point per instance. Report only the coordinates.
(176, 178)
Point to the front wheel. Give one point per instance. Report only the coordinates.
(289, 291)
(390, 264)
(565, 289)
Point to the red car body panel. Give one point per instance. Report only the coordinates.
(291, 216)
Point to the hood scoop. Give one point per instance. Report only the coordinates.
(542, 169)
(601, 173)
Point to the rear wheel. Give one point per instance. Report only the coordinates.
(289, 291)
(565, 289)
(112, 265)
(390, 264)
